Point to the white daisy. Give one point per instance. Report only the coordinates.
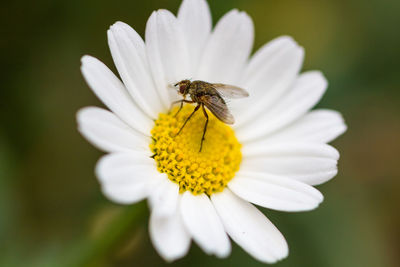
(272, 156)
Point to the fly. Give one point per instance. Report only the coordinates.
(208, 95)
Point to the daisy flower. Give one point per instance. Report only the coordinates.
(272, 156)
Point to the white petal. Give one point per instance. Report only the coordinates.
(164, 198)
(306, 92)
(169, 236)
(107, 132)
(269, 74)
(227, 49)
(202, 222)
(113, 94)
(167, 53)
(249, 228)
(195, 20)
(310, 163)
(126, 177)
(275, 192)
(320, 126)
(129, 54)
(256, 149)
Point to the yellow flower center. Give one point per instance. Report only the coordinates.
(178, 156)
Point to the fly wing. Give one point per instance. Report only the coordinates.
(230, 91)
(218, 107)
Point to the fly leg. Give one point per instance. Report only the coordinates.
(181, 106)
(205, 127)
(188, 118)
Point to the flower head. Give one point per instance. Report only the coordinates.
(272, 156)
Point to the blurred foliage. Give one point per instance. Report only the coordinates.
(52, 210)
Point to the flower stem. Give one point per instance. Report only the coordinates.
(93, 250)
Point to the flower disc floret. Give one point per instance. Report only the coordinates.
(178, 156)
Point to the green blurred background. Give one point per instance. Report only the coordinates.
(52, 212)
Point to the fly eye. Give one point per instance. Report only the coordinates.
(182, 88)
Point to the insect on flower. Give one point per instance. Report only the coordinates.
(209, 95)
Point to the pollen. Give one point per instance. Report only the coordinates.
(178, 156)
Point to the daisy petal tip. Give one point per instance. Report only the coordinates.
(82, 114)
(343, 123)
(284, 251)
(247, 20)
(102, 166)
(161, 17)
(315, 199)
(289, 41)
(164, 12)
(336, 154)
(90, 63)
(120, 24)
(286, 38)
(320, 197)
(169, 256)
(85, 59)
(344, 128)
(301, 50)
(110, 35)
(112, 26)
(113, 29)
(153, 13)
(232, 12)
(151, 20)
(280, 254)
(318, 76)
(117, 198)
(190, 9)
(224, 251)
(245, 16)
(99, 168)
(328, 151)
(192, 2)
